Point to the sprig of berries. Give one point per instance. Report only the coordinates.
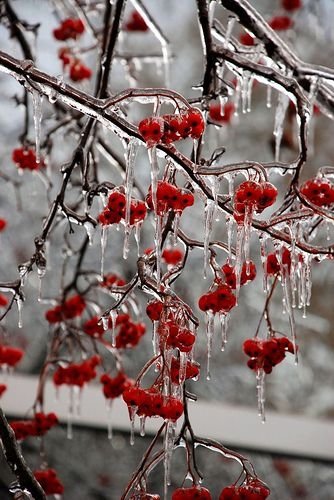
(136, 23)
(151, 403)
(70, 309)
(49, 481)
(170, 198)
(254, 196)
(69, 29)
(38, 426)
(220, 299)
(318, 191)
(115, 211)
(265, 354)
(77, 374)
(10, 356)
(25, 159)
(113, 387)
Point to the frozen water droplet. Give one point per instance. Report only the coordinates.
(113, 317)
(209, 214)
(37, 99)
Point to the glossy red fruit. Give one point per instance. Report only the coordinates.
(253, 347)
(136, 23)
(79, 71)
(229, 493)
(291, 5)
(281, 23)
(154, 309)
(151, 129)
(192, 493)
(49, 481)
(69, 28)
(246, 39)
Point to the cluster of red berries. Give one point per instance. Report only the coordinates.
(248, 273)
(150, 403)
(221, 299)
(93, 327)
(171, 128)
(174, 336)
(10, 356)
(219, 115)
(170, 197)
(3, 225)
(49, 481)
(280, 23)
(25, 159)
(129, 333)
(69, 29)
(254, 196)
(319, 192)
(77, 373)
(78, 71)
(273, 267)
(192, 370)
(113, 387)
(265, 354)
(116, 210)
(172, 256)
(135, 22)
(154, 309)
(70, 309)
(112, 280)
(192, 493)
(254, 489)
(3, 389)
(38, 426)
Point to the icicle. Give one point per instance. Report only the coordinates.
(133, 411)
(137, 236)
(288, 305)
(113, 317)
(37, 100)
(157, 241)
(90, 230)
(19, 304)
(282, 104)
(183, 367)
(269, 94)
(224, 320)
(237, 94)
(260, 377)
(229, 28)
(230, 226)
(77, 394)
(209, 213)
(70, 414)
(152, 153)
(105, 322)
(238, 256)
(246, 91)
(155, 338)
(176, 226)
(109, 419)
(131, 153)
(210, 325)
(104, 239)
(247, 235)
(169, 446)
(263, 250)
(142, 421)
(23, 272)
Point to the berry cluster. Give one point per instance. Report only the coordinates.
(3, 224)
(49, 481)
(154, 309)
(172, 256)
(112, 280)
(170, 197)
(219, 115)
(3, 389)
(221, 299)
(254, 196)
(38, 426)
(273, 266)
(69, 29)
(113, 387)
(77, 373)
(281, 23)
(192, 370)
(135, 22)
(116, 210)
(171, 128)
(78, 71)
(25, 159)
(70, 309)
(265, 354)
(129, 333)
(248, 274)
(150, 403)
(93, 327)
(174, 336)
(3, 300)
(319, 192)
(10, 356)
(192, 493)
(254, 489)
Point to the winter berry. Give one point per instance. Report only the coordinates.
(3, 224)
(3, 389)
(267, 197)
(195, 121)
(281, 23)
(192, 493)
(172, 256)
(136, 23)
(246, 39)
(25, 159)
(49, 481)
(151, 130)
(219, 115)
(79, 71)
(291, 5)
(229, 493)
(154, 309)
(3, 300)
(69, 28)
(253, 347)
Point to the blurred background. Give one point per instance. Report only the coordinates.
(91, 466)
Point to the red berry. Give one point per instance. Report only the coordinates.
(152, 130)
(229, 493)
(172, 256)
(291, 5)
(253, 347)
(154, 309)
(281, 23)
(246, 39)
(136, 23)
(3, 388)
(69, 28)
(79, 71)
